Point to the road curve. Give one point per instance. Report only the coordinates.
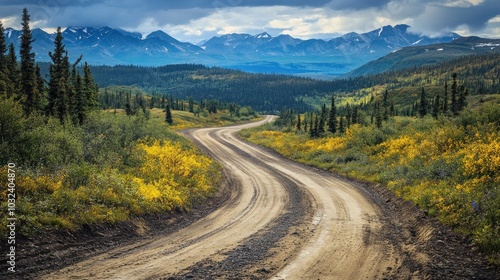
(344, 241)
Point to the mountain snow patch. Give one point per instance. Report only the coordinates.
(417, 42)
(487, 45)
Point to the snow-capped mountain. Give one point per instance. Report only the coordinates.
(110, 46)
(381, 41)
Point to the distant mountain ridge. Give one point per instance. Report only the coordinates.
(260, 53)
(416, 56)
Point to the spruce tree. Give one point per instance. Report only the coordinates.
(299, 124)
(313, 126)
(305, 122)
(385, 103)
(29, 88)
(322, 119)
(462, 101)
(445, 98)
(378, 115)
(436, 107)
(191, 105)
(454, 92)
(332, 119)
(341, 125)
(423, 103)
(3, 62)
(168, 114)
(128, 107)
(12, 73)
(348, 116)
(91, 89)
(59, 85)
(355, 115)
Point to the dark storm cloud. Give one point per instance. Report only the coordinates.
(129, 13)
(201, 18)
(449, 18)
(357, 4)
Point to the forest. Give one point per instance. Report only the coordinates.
(271, 93)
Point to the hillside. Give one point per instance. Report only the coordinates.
(271, 93)
(416, 56)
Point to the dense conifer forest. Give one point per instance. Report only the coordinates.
(271, 93)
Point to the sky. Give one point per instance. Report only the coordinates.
(197, 20)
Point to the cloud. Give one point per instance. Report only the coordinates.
(473, 17)
(195, 20)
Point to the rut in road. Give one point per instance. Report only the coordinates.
(343, 227)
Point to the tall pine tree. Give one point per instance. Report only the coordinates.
(59, 84)
(332, 118)
(168, 114)
(3, 62)
(12, 73)
(454, 93)
(423, 103)
(30, 96)
(445, 98)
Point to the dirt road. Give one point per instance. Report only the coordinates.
(344, 227)
(282, 221)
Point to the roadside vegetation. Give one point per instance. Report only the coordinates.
(447, 165)
(86, 156)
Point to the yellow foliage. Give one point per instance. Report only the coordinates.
(327, 144)
(404, 149)
(170, 174)
(482, 158)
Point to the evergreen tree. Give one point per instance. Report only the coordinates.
(454, 92)
(80, 106)
(12, 73)
(462, 98)
(168, 115)
(299, 125)
(355, 115)
(348, 116)
(91, 89)
(445, 98)
(30, 97)
(128, 107)
(385, 103)
(378, 115)
(191, 105)
(3, 62)
(322, 119)
(341, 125)
(312, 126)
(41, 86)
(332, 120)
(305, 122)
(436, 107)
(423, 103)
(59, 84)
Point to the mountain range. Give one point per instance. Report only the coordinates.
(255, 53)
(417, 56)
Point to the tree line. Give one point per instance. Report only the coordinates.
(270, 93)
(336, 119)
(67, 95)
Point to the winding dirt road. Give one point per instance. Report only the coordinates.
(328, 228)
